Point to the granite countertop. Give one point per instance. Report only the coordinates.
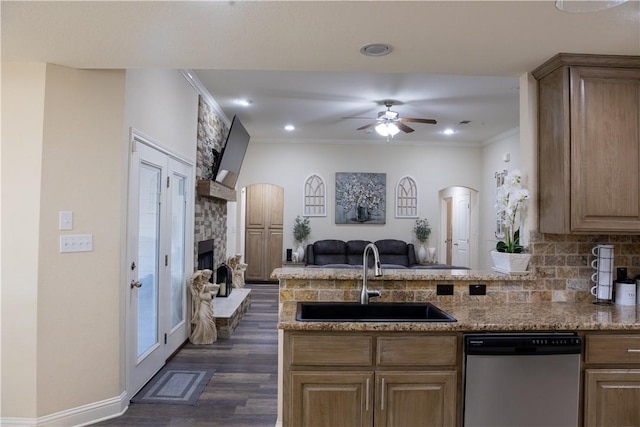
(474, 316)
(319, 273)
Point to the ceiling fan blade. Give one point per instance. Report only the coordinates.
(404, 127)
(427, 121)
(367, 126)
(358, 117)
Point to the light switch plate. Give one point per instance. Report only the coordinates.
(76, 243)
(66, 220)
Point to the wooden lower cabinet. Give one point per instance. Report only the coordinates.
(412, 399)
(349, 399)
(612, 397)
(370, 380)
(612, 380)
(330, 399)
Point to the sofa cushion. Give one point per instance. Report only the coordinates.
(394, 252)
(329, 252)
(354, 250)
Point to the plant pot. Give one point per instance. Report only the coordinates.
(300, 252)
(422, 254)
(431, 254)
(506, 262)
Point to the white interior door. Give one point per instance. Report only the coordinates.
(461, 229)
(160, 256)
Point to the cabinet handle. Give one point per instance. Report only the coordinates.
(382, 396)
(366, 402)
(633, 350)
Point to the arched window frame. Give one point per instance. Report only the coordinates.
(407, 198)
(314, 196)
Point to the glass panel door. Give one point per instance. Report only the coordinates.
(160, 242)
(178, 240)
(148, 256)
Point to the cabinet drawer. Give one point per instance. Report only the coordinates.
(613, 349)
(336, 350)
(417, 350)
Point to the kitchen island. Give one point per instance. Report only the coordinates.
(373, 373)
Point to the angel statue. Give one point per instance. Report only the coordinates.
(237, 267)
(203, 324)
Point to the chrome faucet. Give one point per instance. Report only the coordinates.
(365, 294)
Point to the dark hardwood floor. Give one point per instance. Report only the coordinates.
(243, 390)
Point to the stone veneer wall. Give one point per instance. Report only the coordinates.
(210, 213)
(562, 262)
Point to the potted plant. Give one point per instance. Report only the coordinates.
(422, 231)
(511, 203)
(301, 230)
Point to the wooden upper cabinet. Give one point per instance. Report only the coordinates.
(263, 233)
(266, 206)
(256, 215)
(589, 144)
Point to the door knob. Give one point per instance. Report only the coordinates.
(135, 284)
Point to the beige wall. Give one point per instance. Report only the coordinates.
(62, 139)
(65, 147)
(164, 106)
(22, 118)
(78, 293)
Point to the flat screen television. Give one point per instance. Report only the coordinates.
(226, 171)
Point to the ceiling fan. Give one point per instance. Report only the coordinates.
(389, 123)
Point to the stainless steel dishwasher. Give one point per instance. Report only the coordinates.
(521, 379)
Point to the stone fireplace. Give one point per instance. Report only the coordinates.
(210, 212)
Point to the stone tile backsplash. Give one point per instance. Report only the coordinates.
(562, 262)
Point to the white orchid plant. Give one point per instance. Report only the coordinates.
(511, 205)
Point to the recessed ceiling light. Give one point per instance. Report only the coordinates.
(289, 128)
(375, 49)
(448, 131)
(243, 102)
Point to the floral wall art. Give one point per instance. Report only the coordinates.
(361, 198)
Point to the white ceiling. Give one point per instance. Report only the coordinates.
(299, 61)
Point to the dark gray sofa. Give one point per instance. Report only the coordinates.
(333, 253)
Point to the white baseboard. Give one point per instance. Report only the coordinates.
(79, 416)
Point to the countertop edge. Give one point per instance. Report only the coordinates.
(480, 317)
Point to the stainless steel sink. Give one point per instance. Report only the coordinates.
(374, 312)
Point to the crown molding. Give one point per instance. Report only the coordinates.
(193, 80)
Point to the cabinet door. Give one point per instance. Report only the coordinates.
(330, 399)
(275, 202)
(274, 251)
(414, 399)
(612, 397)
(256, 206)
(255, 254)
(605, 149)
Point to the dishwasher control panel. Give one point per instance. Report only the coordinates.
(523, 343)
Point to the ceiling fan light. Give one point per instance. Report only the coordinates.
(382, 129)
(387, 129)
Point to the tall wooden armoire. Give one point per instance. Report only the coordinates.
(263, 233)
